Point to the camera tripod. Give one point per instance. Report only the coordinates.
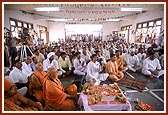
(23, 52)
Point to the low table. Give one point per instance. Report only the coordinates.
(103, 105)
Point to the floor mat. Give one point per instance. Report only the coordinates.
(133, 83)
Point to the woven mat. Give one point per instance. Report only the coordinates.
(133, 83)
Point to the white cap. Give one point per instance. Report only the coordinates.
(50, 54)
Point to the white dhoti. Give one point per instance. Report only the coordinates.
(147, 72)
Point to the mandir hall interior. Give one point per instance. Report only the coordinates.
(78, 25)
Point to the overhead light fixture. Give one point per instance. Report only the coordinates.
(70, 19)
(131, 9)
(60, 20)
(47, 9)
(113, 20)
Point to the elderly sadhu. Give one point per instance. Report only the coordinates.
(11, 97)
(56, 96)
(36, 82)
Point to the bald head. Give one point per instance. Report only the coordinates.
(52, 72)
(39, 66)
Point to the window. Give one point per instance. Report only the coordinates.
(25, 25)
(147, 32)
(144, 25)
(139, 25)
(12, 23)
(123, 28)
(158, 23)
(151, 24)
(17, 26)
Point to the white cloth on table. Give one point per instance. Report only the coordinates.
(83, 101)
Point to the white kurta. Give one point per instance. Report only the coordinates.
(151, 65)
(93, 70)
(86, 57)
(47, 64)
(17, 75)
(132, 61)
(26, 68)
(80, 66)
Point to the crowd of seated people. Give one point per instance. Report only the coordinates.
(39, 76)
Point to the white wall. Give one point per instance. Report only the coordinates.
(109, 27)
(56, 30)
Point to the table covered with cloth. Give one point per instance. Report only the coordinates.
(104, 98)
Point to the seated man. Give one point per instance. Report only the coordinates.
(120, 61)
(93, 71)
(33, 63)
(51, 62)
(141, 56)
(151, 66)
(56, 96)
(112, 69)
(11, 96)
(18, 77)
(65, 64)
(26, 66)
(36, 82)
(79, 65)
(133, 62)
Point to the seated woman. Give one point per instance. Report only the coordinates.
(56, 96)
(11, 96)
(112, 69)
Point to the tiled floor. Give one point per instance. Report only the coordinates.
(153, 93)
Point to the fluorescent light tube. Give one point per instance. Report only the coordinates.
(61, 20)
(131, 9)
(47, 9)
(115, 20)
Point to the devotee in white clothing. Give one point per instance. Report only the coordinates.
(26, 66)
(141, 56)
(19, 78)
(79, 65)
(51, 62)
(151, 66)
(132, 61)
(93, 69)
(85, 54)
